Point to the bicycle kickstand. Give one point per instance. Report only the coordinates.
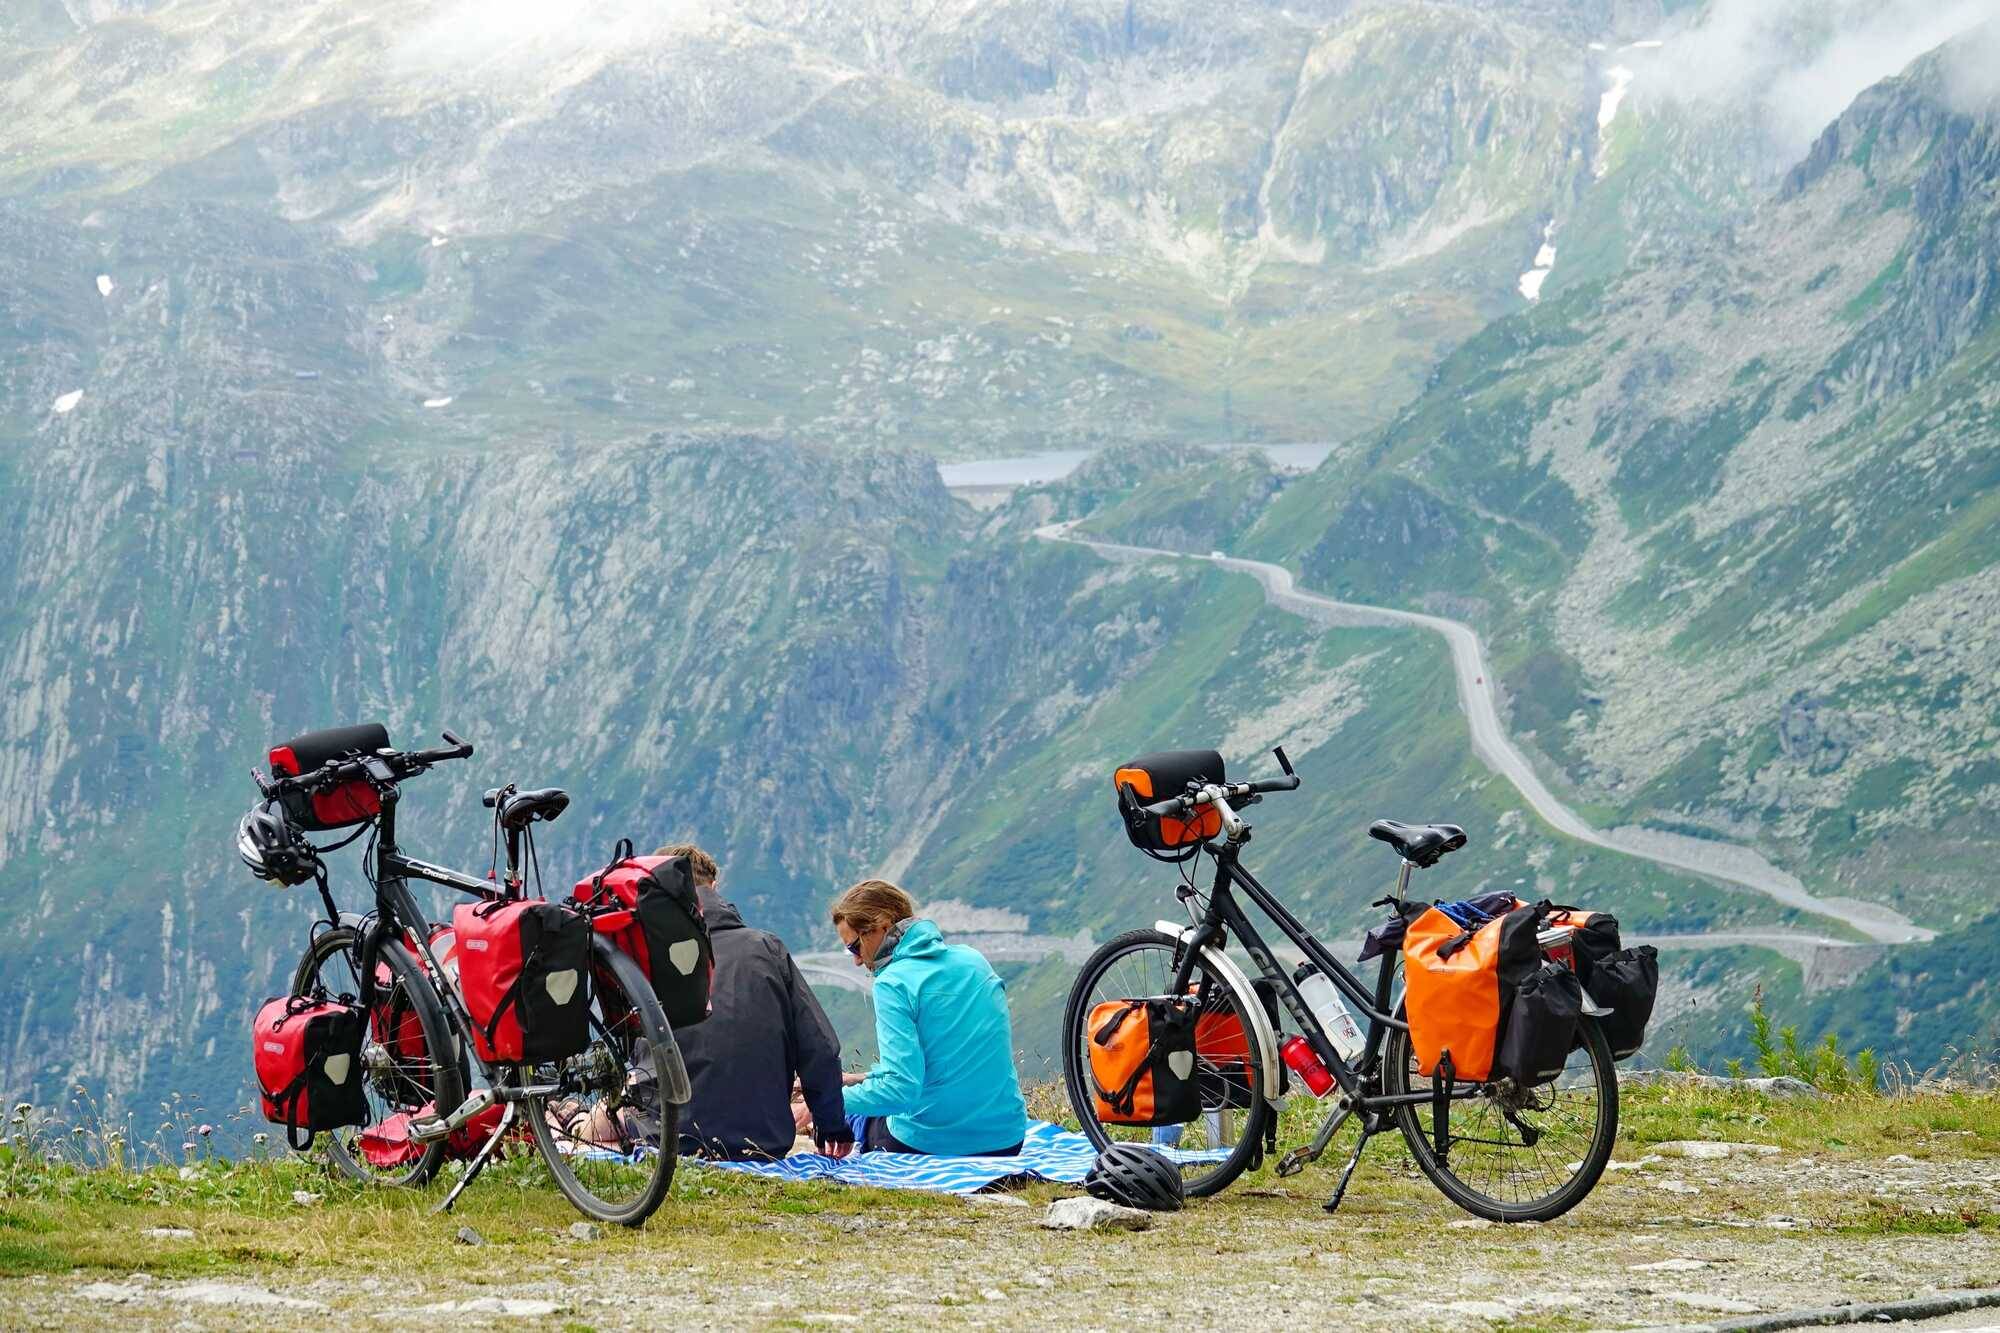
(1368, 1127)
(478, 1163)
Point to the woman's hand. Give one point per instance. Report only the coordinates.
(848, 1080)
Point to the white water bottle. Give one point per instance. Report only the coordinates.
(1323, 997)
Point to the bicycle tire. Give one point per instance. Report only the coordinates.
(1248, 1145)
(623, 998)
(1398, 1077)
(395, 1084)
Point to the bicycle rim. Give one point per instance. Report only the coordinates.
(405, 1030)
(1489, 1168)
(611, 1133)
(1222, 1142)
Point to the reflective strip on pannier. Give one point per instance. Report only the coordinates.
(524, 969)
(349, 803)
(1142, 1062)
(307, 1054)
(1459, 984)
(667, 936)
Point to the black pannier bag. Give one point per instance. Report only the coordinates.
(1540, 1029)
(1155, 777)
(1625, 981)
(350, 802)
(307, 1055)
(1142, 1062)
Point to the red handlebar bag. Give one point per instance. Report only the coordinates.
(524, 969)
(307, 1055)
(350, 802)
(667, 936)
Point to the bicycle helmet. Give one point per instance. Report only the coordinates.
(1136, 1176)
(272, 846)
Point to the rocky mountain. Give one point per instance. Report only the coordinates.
(1727, 522)
(575, 384)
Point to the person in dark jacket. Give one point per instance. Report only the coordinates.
(765, 1028)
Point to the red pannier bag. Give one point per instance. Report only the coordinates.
(524, 969)
(350, 802)
(665, 933)
(307, 1055)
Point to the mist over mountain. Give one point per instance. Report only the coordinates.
(577, 383)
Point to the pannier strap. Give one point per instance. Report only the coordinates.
(1455, 943)
(621, 854)
(287, 1103)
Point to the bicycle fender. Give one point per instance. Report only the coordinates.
(1225, 967)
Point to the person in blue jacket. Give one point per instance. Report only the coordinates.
(944, 1081)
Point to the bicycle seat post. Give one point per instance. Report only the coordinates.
(1403, 880)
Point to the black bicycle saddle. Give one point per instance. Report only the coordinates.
(525, 807)
(1419, 844)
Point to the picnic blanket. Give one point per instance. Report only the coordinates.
(1047, 1153)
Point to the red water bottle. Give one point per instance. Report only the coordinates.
(1299, 1057)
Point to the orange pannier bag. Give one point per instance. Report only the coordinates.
(1459, 983)
(1142, 1062)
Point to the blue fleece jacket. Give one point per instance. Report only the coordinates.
(945, 1077)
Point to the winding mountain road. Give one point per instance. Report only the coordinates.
(1726, 862)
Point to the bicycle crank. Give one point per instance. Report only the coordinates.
(431, 1128)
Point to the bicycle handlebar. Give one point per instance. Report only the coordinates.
(1208, 793)
(381, 766)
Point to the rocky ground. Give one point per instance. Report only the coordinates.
(1766, 1206)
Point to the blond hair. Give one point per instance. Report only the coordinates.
(872, 903)
(700, 864)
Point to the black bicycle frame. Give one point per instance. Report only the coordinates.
(397, 910)
(1225, 917)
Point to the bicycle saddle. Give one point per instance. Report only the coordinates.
(1419, 844)
(525, 807)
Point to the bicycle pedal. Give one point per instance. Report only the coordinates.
(431, 1128)
(1294, 1162)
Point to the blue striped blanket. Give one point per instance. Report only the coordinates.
(1047, 1153)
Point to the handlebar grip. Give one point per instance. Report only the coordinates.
(464, 747)
(1277, 784)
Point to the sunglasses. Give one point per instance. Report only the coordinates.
(854, 946)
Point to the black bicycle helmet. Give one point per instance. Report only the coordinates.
(272, 846)
(1136, 1176)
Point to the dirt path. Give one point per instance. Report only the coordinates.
(1732, 864)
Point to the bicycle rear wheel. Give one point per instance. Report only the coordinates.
(407, 1059)
(611, 1131)
(1226, 1138)
(1514, 1155)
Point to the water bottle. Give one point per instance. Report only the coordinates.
(1323, 998)
(1298, 1056)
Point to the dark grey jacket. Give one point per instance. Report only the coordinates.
(765, 1027)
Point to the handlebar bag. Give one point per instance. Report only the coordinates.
(1142, 1062)
(307, 1055)
(350, 802)
(1460, 982)
(524, 969)
(1155, 777)
(1541, 1026)
(667, 936)
(1625, 981)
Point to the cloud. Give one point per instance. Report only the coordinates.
(1799, 63)
(472, 39)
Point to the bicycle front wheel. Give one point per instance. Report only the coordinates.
(1510, 1154)
(611, 1131)
(409, 1059)
(1226, 1137)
